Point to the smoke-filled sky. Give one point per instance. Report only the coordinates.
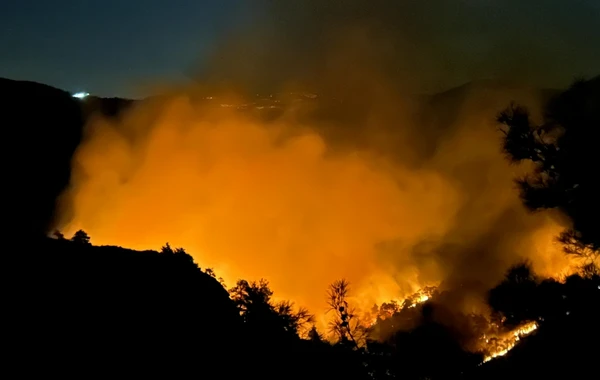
(368, 182)
(391, 191)
(405, 195)
(116, 48)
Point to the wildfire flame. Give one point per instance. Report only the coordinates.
(508, 342)
(496, 342)
(387, 309)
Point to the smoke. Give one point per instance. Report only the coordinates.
(366, 182)
(425, 46)
(249, 198)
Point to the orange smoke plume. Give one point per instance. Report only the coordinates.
(276, 199)
(249, 200)
(363, 182)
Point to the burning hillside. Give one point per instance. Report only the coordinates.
(303, 204)
(356, 178)
(500, 346)
(485, 334)
(321, 140)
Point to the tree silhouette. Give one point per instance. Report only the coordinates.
(344, 324)
(263, 316)
(167, 250)
(178, 254)
(81, 237)
(211, 273)
(515, 297)
(314, 335)
(563, 149)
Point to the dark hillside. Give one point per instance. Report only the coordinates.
(42, 127)
(81, 308)
(76, 310)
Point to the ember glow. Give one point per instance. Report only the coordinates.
(387, 309)
(502, 345)
(497, 341)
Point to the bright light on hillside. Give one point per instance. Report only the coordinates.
(81, 95)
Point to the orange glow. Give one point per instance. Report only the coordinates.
(249, 206)
(547, 255)
(287, 201)
(369, 319)
(503, 344)
(363, 182)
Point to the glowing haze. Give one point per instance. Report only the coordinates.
(390, 191)
(249, 202)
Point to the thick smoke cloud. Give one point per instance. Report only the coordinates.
(425, 45)
(368, 182)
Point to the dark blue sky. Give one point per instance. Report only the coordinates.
(108, 47)
(114, 47)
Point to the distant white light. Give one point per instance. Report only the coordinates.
(81, 95)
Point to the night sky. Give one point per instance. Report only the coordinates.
(114, 47)
(108, 47)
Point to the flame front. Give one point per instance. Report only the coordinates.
(502, 345)
(389, 308)
(494, 343)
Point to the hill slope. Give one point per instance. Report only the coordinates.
(80, 308)
(42, 128)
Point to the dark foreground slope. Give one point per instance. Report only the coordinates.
(80, 310)
(41, 127)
